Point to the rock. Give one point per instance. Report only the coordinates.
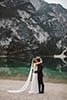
(32, 27)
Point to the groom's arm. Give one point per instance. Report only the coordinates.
(35, 71)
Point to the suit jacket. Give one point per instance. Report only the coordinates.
(39, 70)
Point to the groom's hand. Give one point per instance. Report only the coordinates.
(35, 71)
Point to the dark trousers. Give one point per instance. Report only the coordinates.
(41, 84)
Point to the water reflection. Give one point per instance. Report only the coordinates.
(13, 66)
(57, 64)
(51, 63)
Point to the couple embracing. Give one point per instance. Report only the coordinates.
(37, 85)
(34, 80)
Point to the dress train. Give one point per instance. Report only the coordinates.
(25, 86)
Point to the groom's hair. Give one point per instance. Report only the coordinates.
(38, 59)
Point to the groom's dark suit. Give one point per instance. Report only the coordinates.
(40, 78)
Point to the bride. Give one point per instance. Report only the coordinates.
(33, 83)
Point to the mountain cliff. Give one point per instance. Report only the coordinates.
(32, 27)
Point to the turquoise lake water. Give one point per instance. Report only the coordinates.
(54, 68)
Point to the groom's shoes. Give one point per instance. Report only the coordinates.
(41, 92)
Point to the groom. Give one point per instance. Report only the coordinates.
(40, 75)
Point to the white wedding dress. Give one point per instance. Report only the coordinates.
(33, 83)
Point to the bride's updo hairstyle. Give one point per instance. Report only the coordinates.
(34, 60)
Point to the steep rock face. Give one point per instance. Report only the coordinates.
(30, 28)
(53, 19)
